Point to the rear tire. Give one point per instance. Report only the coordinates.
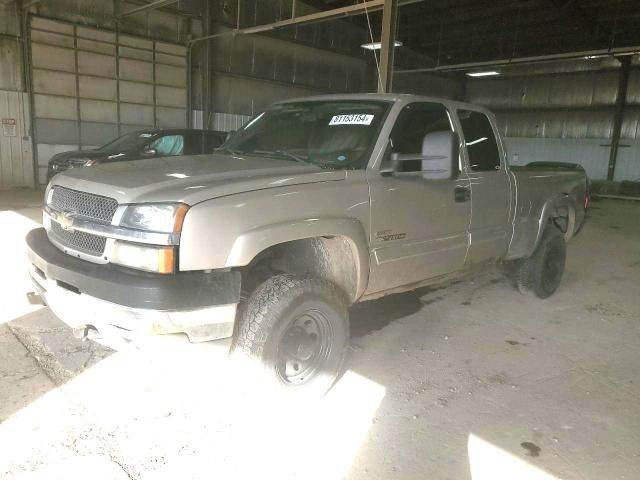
(297, 331)
(540, 274)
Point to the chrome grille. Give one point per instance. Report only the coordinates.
(80, 241)
(86, 204)
(95, 207)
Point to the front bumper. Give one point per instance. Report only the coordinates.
(126, 303)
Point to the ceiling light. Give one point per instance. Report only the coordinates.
(378, 45)
(483, 74)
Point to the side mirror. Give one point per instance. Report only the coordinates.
(229, 135)
(149, 152)
(439, 152)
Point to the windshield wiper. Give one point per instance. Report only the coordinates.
(282, 153)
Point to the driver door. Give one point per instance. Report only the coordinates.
(419, 223)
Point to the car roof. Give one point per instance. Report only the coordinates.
(388, 97)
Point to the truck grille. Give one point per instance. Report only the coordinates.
(89, 205)
(80, 241)
(95, 207)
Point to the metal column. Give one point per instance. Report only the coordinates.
(205, 70)
(387, 48)
(621, 103)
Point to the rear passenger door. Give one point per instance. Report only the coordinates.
(490, 195)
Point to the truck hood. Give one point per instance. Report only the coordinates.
(190, 179)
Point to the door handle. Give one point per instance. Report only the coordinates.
(462, 194)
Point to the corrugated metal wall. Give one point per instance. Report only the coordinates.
(565, 112)
(249, 72)
(16, 167)
(90, 85)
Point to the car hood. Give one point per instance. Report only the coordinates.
(191, 179)
(66, 158)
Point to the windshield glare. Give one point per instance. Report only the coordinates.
(331, 134)
(130, 141)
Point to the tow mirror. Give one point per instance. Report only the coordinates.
(439, 152)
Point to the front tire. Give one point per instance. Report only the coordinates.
(540, 274)
(297, 331)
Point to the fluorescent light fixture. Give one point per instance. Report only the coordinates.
(378, 45)
(489, 73)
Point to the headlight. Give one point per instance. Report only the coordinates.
(144, 257)
(155, 217)
(88, 163)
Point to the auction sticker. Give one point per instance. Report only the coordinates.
(351, 119)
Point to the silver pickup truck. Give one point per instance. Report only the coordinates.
(315, 204)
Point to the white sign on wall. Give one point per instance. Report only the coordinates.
(9, 127)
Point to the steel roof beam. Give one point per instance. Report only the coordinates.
(148, 6)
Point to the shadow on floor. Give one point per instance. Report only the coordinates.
(367, 317)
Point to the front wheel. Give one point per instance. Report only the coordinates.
(541, 273)
(297, 331)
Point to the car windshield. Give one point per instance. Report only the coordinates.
(337, 134)
(129, 141)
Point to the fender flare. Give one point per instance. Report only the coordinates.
(249, 244)
(546, 213)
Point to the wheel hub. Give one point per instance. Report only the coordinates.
(304, 348)
(299, 344)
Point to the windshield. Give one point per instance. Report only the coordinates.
(337, 134)
(128, 142)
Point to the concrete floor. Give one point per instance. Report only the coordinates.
(473, 381)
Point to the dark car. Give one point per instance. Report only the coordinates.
(140, 144)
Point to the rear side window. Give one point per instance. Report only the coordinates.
(193, 143)
(480, 140)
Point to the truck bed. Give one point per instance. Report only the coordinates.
(540, 194)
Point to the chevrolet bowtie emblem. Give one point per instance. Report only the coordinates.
(65, 219)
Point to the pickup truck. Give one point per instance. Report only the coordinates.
(315, 204)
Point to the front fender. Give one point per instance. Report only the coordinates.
(249, 244)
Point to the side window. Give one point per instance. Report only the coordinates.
(416, 123)
(193, 143)
(480, 140)
(168, 145)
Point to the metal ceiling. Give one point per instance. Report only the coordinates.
(451, 32)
